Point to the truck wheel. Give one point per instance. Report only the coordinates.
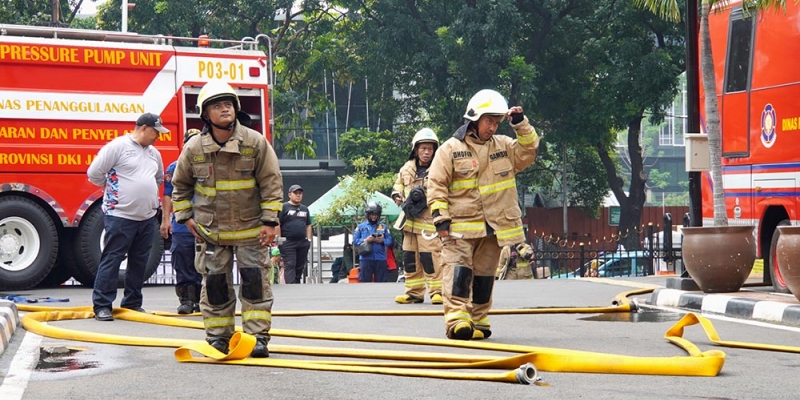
(28, 243)
(88, 249)
(778, 284)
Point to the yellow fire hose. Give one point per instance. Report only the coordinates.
(522, 367)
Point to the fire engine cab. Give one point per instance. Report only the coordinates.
(758, 88)
(64, 93)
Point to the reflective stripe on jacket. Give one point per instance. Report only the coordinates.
(472, 183)
(236, 188)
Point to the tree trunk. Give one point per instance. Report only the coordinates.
(712, 117)
(631, 210)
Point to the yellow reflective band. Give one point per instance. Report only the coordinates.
(245, 234)
(464, 184)
(435, 284)
(231, 235)
(499, 186)
(483, 323)
(488, 103)
(509, 233)
(458, 316)
(420, 225)
(527, 139)
(181, 205)
(414, 283)
(220, 322)
(272, 205)
(466, 226)
(256, 315)
(439, 205)
(205, 190)
(236, 185)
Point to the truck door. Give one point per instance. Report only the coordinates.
(735, 101)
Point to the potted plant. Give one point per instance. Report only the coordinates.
(719, 258)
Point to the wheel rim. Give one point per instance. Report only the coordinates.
(19, 244)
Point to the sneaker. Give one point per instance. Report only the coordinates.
(260, 349)
(436, 299)
(481, 333)
(408, 299)
(103, 314)
(460, 331)
(221, 344)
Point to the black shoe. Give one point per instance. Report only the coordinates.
(137, 309)
(103, 314)
(221, 344)
(196, 307)
(186, 308)
(260, 350)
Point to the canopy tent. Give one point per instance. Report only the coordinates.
(390, 210)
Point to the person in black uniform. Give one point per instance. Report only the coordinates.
(296, 228)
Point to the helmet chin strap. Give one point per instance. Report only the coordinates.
(225, 128)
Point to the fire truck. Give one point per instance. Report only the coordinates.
(758, 88)
(64, 93)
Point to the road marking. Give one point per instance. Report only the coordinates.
(19, 372)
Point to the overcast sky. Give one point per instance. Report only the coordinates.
(89, 7)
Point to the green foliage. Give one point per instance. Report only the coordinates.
(37, 12)
(390, 150)
(347, 209)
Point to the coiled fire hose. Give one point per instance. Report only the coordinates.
(521, 367)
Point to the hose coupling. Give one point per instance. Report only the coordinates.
(527, 374)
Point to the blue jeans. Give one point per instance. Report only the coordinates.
(372, 270)
(123, 236)
(182, 250)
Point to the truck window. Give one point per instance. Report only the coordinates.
(739, 49)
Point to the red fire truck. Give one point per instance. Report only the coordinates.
(65, 93)
(758, 88)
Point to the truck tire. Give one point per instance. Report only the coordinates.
(28, 243)
(87, 249)
(778, 284)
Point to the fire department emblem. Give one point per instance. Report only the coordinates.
(768, 134)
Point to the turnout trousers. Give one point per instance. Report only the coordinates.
(468, 280)
(422, 265)
(217, 297)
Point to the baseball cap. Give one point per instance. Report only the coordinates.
(153, 121)
(295, 188)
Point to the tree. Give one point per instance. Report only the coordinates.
(389, 149)
(348, 209)
(40, 12)
(668, 9)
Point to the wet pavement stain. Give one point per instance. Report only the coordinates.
(59, 359)
(642, 316)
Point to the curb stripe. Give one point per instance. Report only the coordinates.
(731, 306)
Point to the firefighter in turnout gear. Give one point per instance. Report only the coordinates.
(228, 191)
(472, 194)
(421, 257)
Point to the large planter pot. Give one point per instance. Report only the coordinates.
(787, 253)
(719, 258)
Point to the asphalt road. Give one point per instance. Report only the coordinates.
(125, 372)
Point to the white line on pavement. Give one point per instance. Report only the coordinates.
(19, 372)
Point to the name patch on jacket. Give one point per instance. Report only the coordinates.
(499, 154)
(199, 158)
(462, 154)
(247, 151)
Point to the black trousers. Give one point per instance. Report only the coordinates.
(295, 258)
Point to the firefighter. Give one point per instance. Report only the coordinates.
(228, 191)
(515, 262)
(472, 194)
(420, 256)
(187, 280)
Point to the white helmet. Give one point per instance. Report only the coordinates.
(424, 135)
(486, 101)
(214, 90)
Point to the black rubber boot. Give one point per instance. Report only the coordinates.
(260, 350)
(219, 343)
(185, 296)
